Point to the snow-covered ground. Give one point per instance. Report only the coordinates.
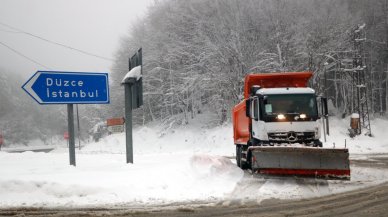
(361, 144)
(188, 164)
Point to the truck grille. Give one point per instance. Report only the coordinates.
(291, 137)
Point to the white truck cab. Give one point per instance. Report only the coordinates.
(284, 115)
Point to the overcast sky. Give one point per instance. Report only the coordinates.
(91, 25)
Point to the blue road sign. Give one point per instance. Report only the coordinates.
(52, 87)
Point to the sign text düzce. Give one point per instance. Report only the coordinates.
(55, 83)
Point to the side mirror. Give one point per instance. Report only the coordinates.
(255, 108)
(256, 111)
(248, 107)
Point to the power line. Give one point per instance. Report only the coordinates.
(20, 54)
(56, 43)
(9, 31)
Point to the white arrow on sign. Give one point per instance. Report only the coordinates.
(28, 87)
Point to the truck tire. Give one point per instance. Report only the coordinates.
(244, 164)
(317, 143)
(238, 155)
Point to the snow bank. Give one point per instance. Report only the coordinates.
(36, 179)
(191, 140)
(205, 166)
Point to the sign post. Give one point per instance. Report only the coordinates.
(54, 87)
(70, 122)
(128, 123)
(133, 87)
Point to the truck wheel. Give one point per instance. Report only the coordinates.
(244, 164)
(238, 155)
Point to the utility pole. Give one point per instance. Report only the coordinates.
(325, 92)
(359, 70)
(78, 129)
(386, 55)
(386, 26)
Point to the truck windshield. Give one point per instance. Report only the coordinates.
(290, 104)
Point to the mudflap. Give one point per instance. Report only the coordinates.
(326, 163)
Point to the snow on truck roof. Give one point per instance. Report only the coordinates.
(285, 90)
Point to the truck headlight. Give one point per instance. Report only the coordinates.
(281, 117)
(302, 116)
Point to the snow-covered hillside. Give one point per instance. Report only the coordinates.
(193, 163)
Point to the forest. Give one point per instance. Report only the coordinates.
(196, 54)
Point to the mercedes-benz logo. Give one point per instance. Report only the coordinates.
(291, 136)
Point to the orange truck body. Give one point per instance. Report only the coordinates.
(329, 163)
(268, 80)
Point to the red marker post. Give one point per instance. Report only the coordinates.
(66, 137)
(1, 140)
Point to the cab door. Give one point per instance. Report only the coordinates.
(259, 131)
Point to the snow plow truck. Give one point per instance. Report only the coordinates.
(277, 129)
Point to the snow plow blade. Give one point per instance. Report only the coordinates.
(326, 163)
